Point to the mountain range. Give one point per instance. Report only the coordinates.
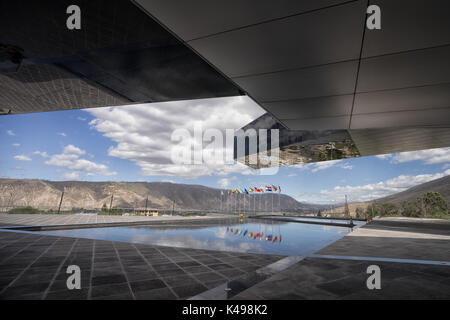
(441, 185)
(46, 195)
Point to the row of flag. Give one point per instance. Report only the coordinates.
(271, 188)
(254, 235)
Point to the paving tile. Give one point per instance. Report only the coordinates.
(177, 280)
(113, 278)
(142, 275)
(188, 291)
(123, 296)
(104, 272)
(29, 277)
(209, 260)
(33, 296)
(156, 294)
(24, 289)
(109, 289)
(171, 272)
(209, 277)
(219, 266)
(81, 294)
(188, 264)
(213, 284)
(146, 285)
(197, 269)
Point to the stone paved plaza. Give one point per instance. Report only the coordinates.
(413, 256)
(53, 219)
(33, 266)
(339, 271)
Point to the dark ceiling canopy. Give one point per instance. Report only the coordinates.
(120, 56)
(311, 64)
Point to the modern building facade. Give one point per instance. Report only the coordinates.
(313, 65)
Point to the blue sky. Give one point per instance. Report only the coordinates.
(133, 143)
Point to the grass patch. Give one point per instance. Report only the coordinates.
(24, 210)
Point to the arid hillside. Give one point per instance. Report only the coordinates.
(46, 195)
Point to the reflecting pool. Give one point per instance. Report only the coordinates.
(251, 235)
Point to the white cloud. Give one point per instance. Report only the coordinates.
(42, 154)
(142, 133)
(318, 166)
(384, 156)
(71, 149)
(10, 133)
(70, 159)
(224, 183)
(73, 176)
(430, 156)
(81, 119)
(22, 158)
(371, 191)
(62, 134)
(16, 144)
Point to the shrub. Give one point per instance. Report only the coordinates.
(388, 209)
(372, 210)
(432, 204)
(409, 209)
(359, 213)
(24, 210)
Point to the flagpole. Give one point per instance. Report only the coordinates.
(272, 203)
(239, 203)
(226, 201)
(259, 206)
(243, 210)
(245, 203)
(279, 201)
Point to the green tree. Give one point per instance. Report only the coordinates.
(388, 209)
(359, 213)
(24, 210)
(346, 209)
(372, 210)
(409, 209)
(432, 204)
(319, 214)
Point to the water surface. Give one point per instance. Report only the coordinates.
(252, 236)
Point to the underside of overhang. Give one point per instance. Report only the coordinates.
(334, 87)
(120, 56)
(313, 64)
(320, 73)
